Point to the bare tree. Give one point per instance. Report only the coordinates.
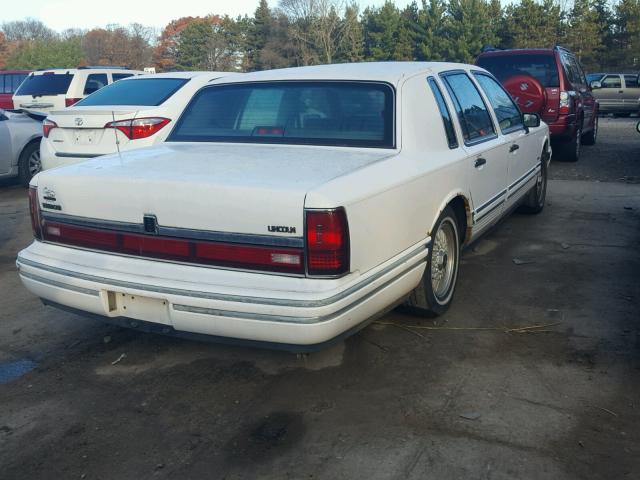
(27, 29)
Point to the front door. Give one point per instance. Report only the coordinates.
(486, 155)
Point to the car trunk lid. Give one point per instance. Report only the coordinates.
(246, 189)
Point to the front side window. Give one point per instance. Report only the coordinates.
(472, 112)
(45, 84)
(353, 114)
(507, 113)
(444, 113)
(611, 81)
(95, 82)
(631, 81)
(144, 91)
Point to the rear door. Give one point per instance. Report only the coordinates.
(486, 151)
(611, 94)
(520, 149)
(631, 93)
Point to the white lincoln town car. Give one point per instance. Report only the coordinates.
(289, 207)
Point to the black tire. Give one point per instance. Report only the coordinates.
(534, 201)
(570, 151)
(29, 163)
(431, 297)
(591, 137)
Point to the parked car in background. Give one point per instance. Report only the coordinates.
(46, 90)
(20, 135)
(290, 206)
(133, 113)
(551, 83)
(10, 80)
(617, 93)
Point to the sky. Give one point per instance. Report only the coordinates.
(63, 14)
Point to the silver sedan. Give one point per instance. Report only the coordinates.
(20, 136)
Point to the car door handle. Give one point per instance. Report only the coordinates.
(514, 147)
(480, 162)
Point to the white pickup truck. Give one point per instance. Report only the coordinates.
(289, 207)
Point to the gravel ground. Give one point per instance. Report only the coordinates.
(466, 397)
(614, 158)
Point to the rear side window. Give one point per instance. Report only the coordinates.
(472, 112)
(120, 76)
(46, 84)
(611, 81)
(541, 67)
(444, 113)
(507, 113)
(3, 85)
(146, 92)
(95, 82)
(631, 81)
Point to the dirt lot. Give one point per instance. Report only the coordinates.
(467, 399)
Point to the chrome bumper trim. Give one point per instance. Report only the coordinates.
(231, 298)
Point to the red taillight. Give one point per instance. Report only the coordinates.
(71, 101)
(47, 126)
(34, 210)
(327, 235)
(139, 127)
(251, 257)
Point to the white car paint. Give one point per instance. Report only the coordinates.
(71, 143)
(82, 84)
(392, 198)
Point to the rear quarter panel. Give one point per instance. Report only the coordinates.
(393, 204)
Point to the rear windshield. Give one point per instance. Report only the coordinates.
(46, 84)
(354, 114)
(541, 67)
(148, 92)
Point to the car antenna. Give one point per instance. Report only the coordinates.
(115, 132)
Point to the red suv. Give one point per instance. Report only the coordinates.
(10, 80)
(551, 83)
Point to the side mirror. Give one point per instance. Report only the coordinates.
(595, 85)
(531, 120)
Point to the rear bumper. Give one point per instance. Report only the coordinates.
(221, 303)
(563, 128)
(52, 159)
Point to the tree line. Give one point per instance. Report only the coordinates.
(308, 32)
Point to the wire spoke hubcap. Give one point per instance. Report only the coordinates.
(443, 260)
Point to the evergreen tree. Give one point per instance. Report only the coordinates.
(258, 35)
(36, 54)
(530, 24)
(385, 35)
(431, 44)
(584, 33)
(467, 30)
(627, 34)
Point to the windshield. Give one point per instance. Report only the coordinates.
(541, 67)
(45, 84)
(148, 92)
(355, 114)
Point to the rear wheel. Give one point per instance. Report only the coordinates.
(29, 163)
(591, 137)
(570, 151)
(435, 292)
(534, 201)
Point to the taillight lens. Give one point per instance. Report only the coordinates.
(71, 101)
(327, 236)
(34, 210)
(47, 126)
(252, 257)
(565, 103)
(139, 127)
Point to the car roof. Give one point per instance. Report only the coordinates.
(390, 72)
(210, 75)
(15, 71)
(517, 51)
(88, 70)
